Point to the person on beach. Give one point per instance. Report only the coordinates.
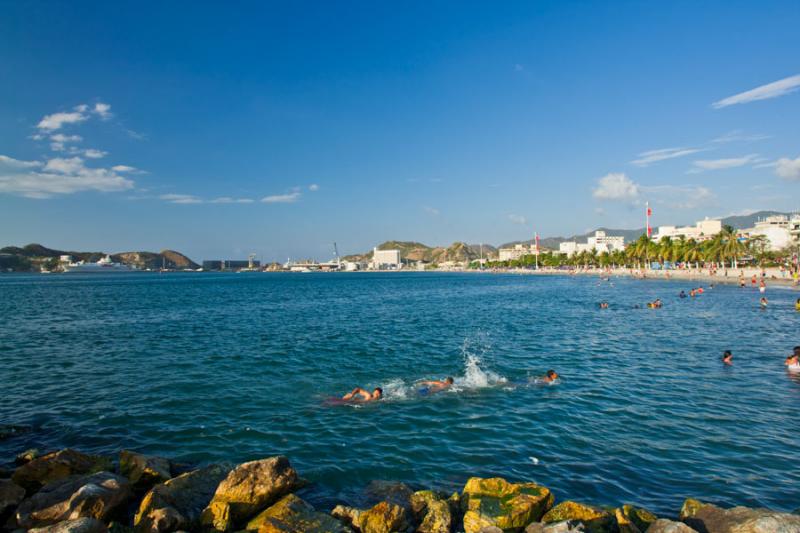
(727, 357)
(762, 287)
(741, 282)
(763, 302)
(437, 385)
(360, 395)
(753, 281)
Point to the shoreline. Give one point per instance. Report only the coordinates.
(71, 492)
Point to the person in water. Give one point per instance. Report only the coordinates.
(360, 395)
(682, 294)
(763, 302)
(727, 357)
(794, 359)
(797, 305)
(603, 305)
(436, 385)
(550, 377)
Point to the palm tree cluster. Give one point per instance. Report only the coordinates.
(726, 248)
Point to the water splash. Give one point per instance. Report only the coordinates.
(475, 376)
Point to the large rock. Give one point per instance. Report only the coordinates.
(10, 496)
(27, 456)
(56, 466)
(93, 496)
(708, 518)
(431, 511)
(347, 515)
(593, 518)
(293, 515)
(509, 506)
(177, 504)
(389, 491)
(632, 519)
(143, 471)
(79, 525)
(555, 527)
(248, 489)
(384, 517)
(663, 525)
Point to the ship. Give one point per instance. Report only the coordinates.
(103, 266)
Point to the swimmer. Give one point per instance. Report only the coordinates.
(797, 305)
(360, 395)
(682, 294)
(727, 357)
(550, 377)
(603, 305)
(763, 302)
(793, 361)
(437, 385)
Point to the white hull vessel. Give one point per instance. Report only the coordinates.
(104, 266)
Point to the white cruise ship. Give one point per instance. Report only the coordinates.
(104, 266)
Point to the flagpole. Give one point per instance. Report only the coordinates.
(537, 249)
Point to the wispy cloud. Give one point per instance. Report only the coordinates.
(616, 186)
(788, 168)
(431, 210)
(180, 199)
(56, 176)
(61, 138)
(653, 156)
(57, 120)
(124, 168)
(313, 187)
(281, 198)
(739, 136)
(518, 219)
(17, 163)
(229, 200)
(764, 92)
(719, 164)
(92, 153)
(102, 110)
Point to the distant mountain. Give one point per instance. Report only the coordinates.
(416, 251)
(32, 255)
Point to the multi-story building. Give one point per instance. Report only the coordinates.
(385, 259)
(702, 231)
(518, 251)
(599, 242)
(780, 230)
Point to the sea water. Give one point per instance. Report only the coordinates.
(232, 367)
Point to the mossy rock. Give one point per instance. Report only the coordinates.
(594, 519)
(384, 517)
(632, 519)
(508, 506)
(56, 466)
(293, 515)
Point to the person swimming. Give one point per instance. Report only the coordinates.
(360, 395)
(797, 305)
(549, 377)
(682, 294)
(655, 304)
(793, 361)
(437, 385)
(603, 305)
(763, 302)
(727, 357)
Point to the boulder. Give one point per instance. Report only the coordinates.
(431, 511)
(248, 489)
(79, 525)
(177, 504)
(594, 519)
(708, 518)
(555, 527)
(293, 515)
(384, 517)
(632, 519)
(92, 496)
(347, 515)
(663, 525)
(56, 466)
(389, 491)
(496, 502)
(143, 471)
(10, 496)
(26, 457)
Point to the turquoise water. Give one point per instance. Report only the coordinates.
(209, 367)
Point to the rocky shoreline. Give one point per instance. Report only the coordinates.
(71, 492)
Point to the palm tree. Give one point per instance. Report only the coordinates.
(726, 245)
(693, 252)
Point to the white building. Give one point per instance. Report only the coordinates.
(385, 259)
(702, 231)
(599, 242)
(780, 230)
(515, 253)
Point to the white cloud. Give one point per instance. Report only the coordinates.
(313, 187)
(180, 199)
(57, 120)
(739, 136)
(61, 138)
(764, 92)
(718, 164)
(123, 168)
(83, 108)
(281, 198)
(102, 110)
(63, 165)
(518, 219)
(616, 186)
(653, 156)
(91, 153)
(61, 176)
(17, 163)
(788, 168)
(229, 200)
(431, 210)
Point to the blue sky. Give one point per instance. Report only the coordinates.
(223, 129)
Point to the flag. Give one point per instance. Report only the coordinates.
(649, 211)
(649, 231)
(537, 243)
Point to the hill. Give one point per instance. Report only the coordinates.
(32, 256)
(416, 251)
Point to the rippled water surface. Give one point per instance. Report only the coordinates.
(209, 367)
